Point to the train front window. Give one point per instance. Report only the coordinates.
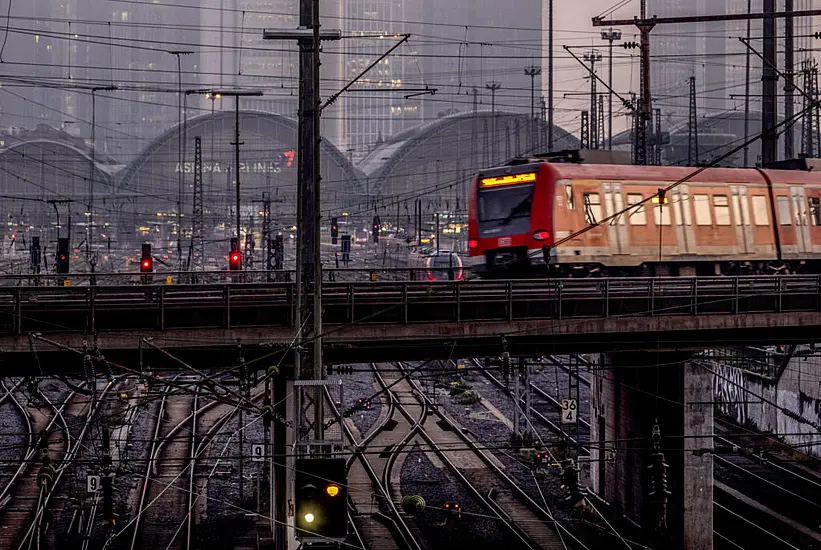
(505, 204)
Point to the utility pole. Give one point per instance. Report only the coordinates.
(237, 93)
(198, 221)
(533, 72)
(600, 123)
(91, 258)
(592, 57)
(692, 127)
(550, 75)
(308, 257)
(769, 153)
(747, 90)
(493, 86)
(180, 159)
(789, 84)
(611, 35)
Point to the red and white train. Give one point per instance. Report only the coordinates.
(719, 222)
(435, 265)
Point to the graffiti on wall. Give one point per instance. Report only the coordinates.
(730, 393)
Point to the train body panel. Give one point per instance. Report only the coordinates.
(721, 219)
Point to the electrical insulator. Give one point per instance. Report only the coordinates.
(658, 479)
(506, 365)
(570, 481)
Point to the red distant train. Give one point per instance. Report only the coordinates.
(435, 265)
(719, 222)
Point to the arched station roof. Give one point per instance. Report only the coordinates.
(271, 132)
(451, 149)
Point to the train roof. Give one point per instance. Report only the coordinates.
(604, 172)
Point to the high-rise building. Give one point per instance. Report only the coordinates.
(236, 56)
(57, 52)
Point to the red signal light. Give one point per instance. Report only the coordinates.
(235, 257)
(146, 263)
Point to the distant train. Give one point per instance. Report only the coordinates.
(435, 265)
(719, 222)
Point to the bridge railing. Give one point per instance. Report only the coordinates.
(232, 305)
(160, 278)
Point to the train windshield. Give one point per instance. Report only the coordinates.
(505, 204)
(445, 260)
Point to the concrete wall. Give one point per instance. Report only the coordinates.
(631, 393)
(790, 406)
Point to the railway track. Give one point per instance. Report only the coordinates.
(370, 488)
(547, 411)
(770, 493)
(529, 523)
(164, 498)
(27, 498)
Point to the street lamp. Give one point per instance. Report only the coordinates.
(611, 35)
(236, 94)
(179, 54)
(90, 236)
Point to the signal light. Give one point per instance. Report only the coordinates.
(334, 231)
(63, 259)
(375, 229)
(321, 503)
(234, 257)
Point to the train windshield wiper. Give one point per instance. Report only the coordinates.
(520, 208)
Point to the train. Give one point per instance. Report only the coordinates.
(435, 265)
(720, 221)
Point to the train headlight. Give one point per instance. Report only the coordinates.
(541, 235)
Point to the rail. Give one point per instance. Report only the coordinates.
(247, 305)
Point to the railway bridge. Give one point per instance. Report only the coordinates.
(645, 329)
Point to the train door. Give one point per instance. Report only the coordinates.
(613, 202)
(742, 219)
(685, 237)
(802, 227)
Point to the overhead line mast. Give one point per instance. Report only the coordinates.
(768, 92)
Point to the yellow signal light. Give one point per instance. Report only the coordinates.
(332, 490)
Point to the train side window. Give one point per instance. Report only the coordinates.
(568, 192)
(783, 209)
(592, 208)
(815, 211)
(702, 206)
(722, 209)
(661, 214)
(637, 215)
(760, 210)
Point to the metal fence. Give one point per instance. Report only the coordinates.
(126, 307)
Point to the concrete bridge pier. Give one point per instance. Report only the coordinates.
(629, 394)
